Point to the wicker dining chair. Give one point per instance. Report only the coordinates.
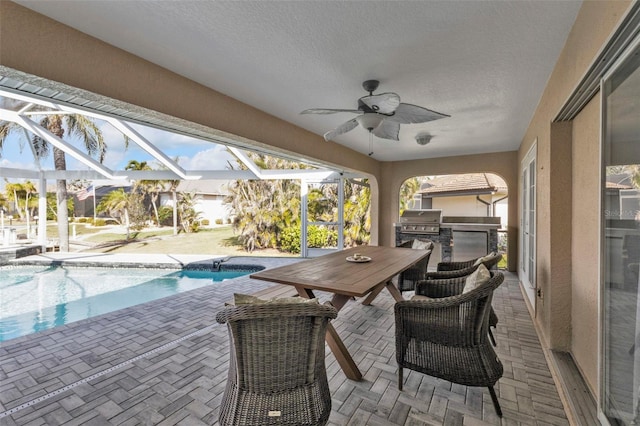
(462, 269)
(407, 279)
(277, 372)
(446, 336)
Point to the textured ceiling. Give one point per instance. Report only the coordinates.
(485, 63)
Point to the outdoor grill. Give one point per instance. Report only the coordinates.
(421, 221)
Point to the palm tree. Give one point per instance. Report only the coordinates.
(20, 193)
(153, 187)
(264, 208)
(407, 191)
(116, 205)
(173, 187)
(357, 218)
(59, 124)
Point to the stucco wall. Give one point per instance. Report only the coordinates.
(565, 242)
(585, 247)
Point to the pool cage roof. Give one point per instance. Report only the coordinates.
(25, 104)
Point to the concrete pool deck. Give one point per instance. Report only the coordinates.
(165, 362)
(157, 261)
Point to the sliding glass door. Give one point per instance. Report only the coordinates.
(621, 241)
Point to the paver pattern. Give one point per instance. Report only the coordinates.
(144, 377)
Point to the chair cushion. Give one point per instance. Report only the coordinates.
(420, 297)
(484, 258)
(421, 245)
(248, 299)
(476, 279)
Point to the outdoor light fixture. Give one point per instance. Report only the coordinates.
(423, 139)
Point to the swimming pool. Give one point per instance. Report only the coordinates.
(36, 298)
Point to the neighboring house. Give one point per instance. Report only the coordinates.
(209, 198)
(209, 195)
(621, 192)
(472, 194)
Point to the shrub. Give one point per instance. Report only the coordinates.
(82, 220)
(165, 214)
(219, 221)
(317, 237)
(99, 222)
(289, 240)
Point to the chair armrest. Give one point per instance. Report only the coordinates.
(440, 275)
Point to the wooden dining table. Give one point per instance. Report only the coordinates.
(346, 280)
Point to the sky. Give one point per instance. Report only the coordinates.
(192, 154)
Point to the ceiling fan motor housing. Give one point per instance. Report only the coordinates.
(370, 86)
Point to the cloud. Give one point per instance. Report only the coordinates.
(215, 158)
(5, 162)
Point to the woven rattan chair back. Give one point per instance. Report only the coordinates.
(407, 279)
(277, 372)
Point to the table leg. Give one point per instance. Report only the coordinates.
(342, 355)
(374, 293)
(390, 286)
(339, 350)
(395, 293)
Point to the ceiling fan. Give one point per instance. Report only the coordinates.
(380, 114)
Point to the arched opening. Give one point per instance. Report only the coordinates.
(468, 214)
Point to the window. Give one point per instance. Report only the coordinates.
(621, 240)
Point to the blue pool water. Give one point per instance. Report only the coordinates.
(37, 298)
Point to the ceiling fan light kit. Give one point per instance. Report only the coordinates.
(381, 115)
(369, 120)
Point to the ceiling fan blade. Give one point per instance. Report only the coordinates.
(407, 114)
(387, 130)
(384, 103)
(328, 111)
(343, 128)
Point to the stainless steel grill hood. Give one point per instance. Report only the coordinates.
(421, 221)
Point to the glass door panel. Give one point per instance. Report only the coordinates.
(621, 241)
(528, 226)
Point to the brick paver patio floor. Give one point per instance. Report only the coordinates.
(165, 363)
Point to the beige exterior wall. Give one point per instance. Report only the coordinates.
(568, 227)
(585, 246)
(468, 205)
(460, 206)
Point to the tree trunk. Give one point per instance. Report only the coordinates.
(61, 195)
(17, 204)
(154, 198)
(126, 219)
(175, 213)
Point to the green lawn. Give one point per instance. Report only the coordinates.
(220, 241)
